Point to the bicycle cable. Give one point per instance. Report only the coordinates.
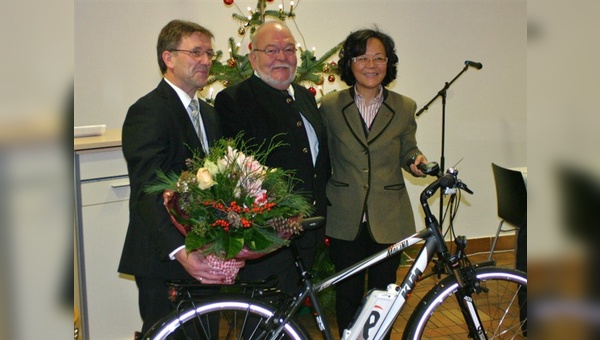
(451, 210)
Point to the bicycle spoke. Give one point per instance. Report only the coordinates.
(499, 306)
(224, 320)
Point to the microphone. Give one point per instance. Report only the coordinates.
(474, 64)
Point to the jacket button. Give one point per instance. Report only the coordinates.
(299, 123)
(305, 150)
(365, 170)
(365, 187)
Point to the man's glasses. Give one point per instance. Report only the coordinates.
(364, 60)
(210, 54)
(271, 52)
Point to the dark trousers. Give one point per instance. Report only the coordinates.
(281, 262)
(153, 301)
(350, 292)
(154, 304)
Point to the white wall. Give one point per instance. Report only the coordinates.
(115, 64)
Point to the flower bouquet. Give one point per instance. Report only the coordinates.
(230, 206)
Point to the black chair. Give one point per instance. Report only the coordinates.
(511, 194)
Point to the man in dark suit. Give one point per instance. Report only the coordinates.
(265, 106)
(159, 133)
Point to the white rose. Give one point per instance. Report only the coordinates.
(222, 164)
(212, 167)
(205, 179)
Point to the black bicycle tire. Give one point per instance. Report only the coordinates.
(164, 328)
(428, 314)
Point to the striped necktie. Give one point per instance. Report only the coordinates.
(197, 121)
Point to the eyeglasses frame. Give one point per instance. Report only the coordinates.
(272, 52)
(365, 60)
(197, 54)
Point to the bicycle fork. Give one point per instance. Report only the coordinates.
(467, 285)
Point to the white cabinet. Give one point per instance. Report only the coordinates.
(108, 300)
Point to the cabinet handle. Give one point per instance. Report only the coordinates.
(120, 184)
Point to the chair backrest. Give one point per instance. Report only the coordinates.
(511, 194)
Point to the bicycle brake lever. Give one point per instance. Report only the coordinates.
(463, 186)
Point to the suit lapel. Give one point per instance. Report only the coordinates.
(381, 122)
(355, 122)
(210, 125)
(309, 112)
(181, 114)
(352, 116)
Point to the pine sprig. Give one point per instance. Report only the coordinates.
(311, 67)
(234, 70)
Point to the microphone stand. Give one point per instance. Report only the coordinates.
(442, 93)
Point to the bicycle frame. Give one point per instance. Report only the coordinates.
(434, 244)
(388, 317)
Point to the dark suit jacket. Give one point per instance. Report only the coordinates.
(157, 134)
(367, 169)
(262, 112)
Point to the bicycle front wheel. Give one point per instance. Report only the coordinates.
(501, 304)
(232, 319)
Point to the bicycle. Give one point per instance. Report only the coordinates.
(480, 301)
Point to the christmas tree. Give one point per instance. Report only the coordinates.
(311, 71)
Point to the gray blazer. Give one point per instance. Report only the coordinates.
(367, 167)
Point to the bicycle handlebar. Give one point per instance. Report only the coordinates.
(447, 181)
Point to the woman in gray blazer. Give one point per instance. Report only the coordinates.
(371, 136)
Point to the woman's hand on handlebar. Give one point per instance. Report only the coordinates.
(431, 169)
(414, 166)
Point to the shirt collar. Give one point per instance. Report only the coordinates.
(378, 97)
(184, 97)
